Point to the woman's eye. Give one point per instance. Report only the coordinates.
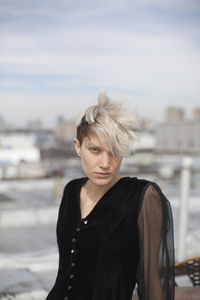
(94, 149)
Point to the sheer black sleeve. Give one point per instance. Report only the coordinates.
(156, 243)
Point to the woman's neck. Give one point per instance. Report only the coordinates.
(95, 192)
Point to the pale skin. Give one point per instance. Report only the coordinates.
(101, 168)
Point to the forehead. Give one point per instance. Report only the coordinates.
(93, 139)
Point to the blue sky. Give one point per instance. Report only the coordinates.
(55, 56)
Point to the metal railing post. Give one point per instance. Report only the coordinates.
(184, 201)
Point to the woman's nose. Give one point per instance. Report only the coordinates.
(104, 160)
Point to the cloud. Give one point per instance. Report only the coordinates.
(143, 49)
(141, 62)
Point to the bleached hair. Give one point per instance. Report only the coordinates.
(114, 120)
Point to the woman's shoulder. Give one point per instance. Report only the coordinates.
(142, 186)
(135, 182)
(74, 183)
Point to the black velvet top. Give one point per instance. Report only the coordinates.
(126, 239)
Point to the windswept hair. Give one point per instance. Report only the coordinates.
(114, 120)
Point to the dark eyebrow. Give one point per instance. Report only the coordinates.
(93, 145)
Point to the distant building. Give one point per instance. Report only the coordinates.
(2, 122)
(44, 139)
(145, 142)
(196, 114)
(18, 147)
(34, 124)
(174, 114)
(60, 119)
(65, 131)
(147, 124)
(178, 137)
(9, 140)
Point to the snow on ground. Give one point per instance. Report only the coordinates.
(36, 295)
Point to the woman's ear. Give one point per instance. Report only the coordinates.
(77, 146)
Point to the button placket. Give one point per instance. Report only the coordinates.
(73, 253)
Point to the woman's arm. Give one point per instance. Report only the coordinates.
(155, 228)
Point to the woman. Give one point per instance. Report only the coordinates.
(112, 231)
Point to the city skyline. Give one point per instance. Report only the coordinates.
(57, 55)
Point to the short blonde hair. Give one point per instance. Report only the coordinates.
(114, 120)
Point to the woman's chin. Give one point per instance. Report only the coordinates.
(104, 180)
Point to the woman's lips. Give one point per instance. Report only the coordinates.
(102, 174)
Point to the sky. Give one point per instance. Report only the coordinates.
(56, 55)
